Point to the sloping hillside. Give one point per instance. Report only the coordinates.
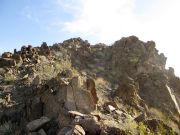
(77, 88)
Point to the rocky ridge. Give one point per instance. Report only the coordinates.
(77, 88)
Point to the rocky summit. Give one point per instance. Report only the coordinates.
(75, 88)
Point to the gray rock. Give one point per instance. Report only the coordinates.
(75, 130)
(140, 117)
(37, 124)
(65, 131)
(41, 132)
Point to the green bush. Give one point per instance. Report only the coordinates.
(143, 129)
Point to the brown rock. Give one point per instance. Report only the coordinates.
(128, 91)
(75, 113)
(7, 55)
(45, 49)
(112, 131)
(92, 89)
(140, 117)
(89, 123)
(2, 71)
(64, 119)
(7, 62)
(35, 108)
(80, 96)
(17, 58)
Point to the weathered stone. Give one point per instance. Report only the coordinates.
(64, 119)
(37, 124)
(37, 80)
(81, 95)
(7, 62)
(132, 73)
(112, 131)
(92, 89)
(36, 108)
(41, 132)
(2, 71)
(66, 73)
(75, 113)
(154, 91)
(7, 55)
(89, 123)
(45, 49)
(17, 58)
(140, 117)
(128, 91)
(65, 131)
(110, 108)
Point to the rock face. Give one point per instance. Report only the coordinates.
(77, 94)
(128, 91)
(77, 88)
(81, 95)
(156, 87)
(154, 124)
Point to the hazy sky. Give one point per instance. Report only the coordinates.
(25, 22)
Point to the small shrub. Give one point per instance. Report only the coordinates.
(143, 130)
(9, 78)
(130, 127)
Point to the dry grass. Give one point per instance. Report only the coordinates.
(9, 78)
(156, 113)
(130, 126)
(143, 130)
(47, 71)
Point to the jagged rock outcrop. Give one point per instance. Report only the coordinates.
(128, 91)
(88, 89)
(75, 94)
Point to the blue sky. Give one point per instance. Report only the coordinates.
(24, 22)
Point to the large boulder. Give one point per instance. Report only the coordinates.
(81, 95)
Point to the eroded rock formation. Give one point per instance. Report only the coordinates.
(77, 88)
